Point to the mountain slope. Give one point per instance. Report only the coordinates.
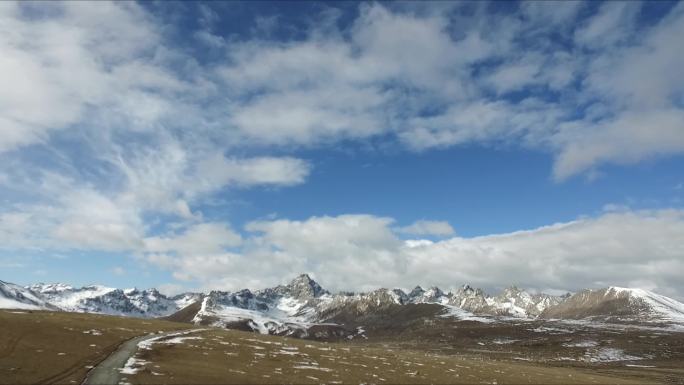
(303, 308)
(284, 310)
(303, 304)
(106, 300)
(618, 304)
(16, 297)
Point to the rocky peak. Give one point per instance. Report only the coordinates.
(400, 296)
(50, 288)
(433, 294)
(513, 292)
(131, 291)
(434, 291)
(416, 292)
(469, 291)
(466, 289)
(303, 287)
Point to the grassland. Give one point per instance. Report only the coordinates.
(233, 357)
(56, 347)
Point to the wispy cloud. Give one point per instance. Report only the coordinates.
(112, 134)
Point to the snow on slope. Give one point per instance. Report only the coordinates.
(102, 300)
(265, 322)
(280, 310)
(9, 303)
(186, 299)
(303, 303)
(663, 308)
(68, 298)
(93, 299)
(464, 315)
(618, 304)
(16, 297)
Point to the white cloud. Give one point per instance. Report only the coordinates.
(336, 86)
(334, 248)
(628, 138)
(423, 227)
(105, 123)
(612, 24)
(514, 76)
(543, 12)
(110, 70)
(74, 59)
(284, 171)
(170, 289)
(353, 252)
(615, 248)
(204, 238)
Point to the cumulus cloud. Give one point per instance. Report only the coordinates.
(61, 61)
(616, 248)
(339, 83)
(350, 83)
(112, 134)
(423, 227)
(204, 238)
(353, 252)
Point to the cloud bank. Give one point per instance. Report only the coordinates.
(352, 252)
(113, 135)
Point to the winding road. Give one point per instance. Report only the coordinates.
(109, 370)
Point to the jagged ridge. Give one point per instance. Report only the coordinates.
(303, 305)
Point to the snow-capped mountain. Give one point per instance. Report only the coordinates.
(16, 297)
(303, 307)
(618, 304)
(92, 299)
(513, 302)
(284, 310)
(303, 303)
(184, 300)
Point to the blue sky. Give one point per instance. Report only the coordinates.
(194, 145)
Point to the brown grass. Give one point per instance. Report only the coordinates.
(31, 344)
(56, 347)
(234, 357)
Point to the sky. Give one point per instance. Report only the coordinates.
(199, 146)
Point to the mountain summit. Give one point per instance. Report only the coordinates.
(303, 305)
(301, 288)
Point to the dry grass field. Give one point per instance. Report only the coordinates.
(54, 347)
(234, 357)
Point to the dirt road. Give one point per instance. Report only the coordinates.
(109, 370)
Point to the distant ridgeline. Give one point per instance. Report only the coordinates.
(303, 308)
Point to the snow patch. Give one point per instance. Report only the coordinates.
(464, 315)
(609, 355)
(581, 344)
(133, 366)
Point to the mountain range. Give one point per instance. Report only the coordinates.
(303, 307)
